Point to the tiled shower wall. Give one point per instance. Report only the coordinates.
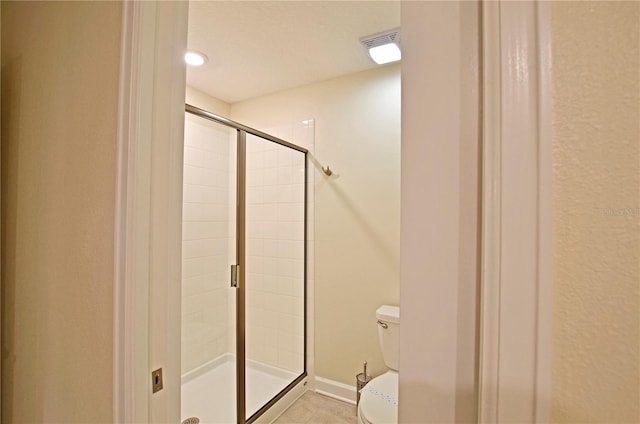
(275, 248)
(206, 230)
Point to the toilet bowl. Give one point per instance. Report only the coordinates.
(379, 398)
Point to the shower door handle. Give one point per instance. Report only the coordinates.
(234, 275)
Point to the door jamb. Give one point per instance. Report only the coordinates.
(515, 336)
(147, 258)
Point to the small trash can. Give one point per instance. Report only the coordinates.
(361, 380)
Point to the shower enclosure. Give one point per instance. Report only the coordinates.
(244, 272)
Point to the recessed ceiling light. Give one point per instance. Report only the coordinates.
(195, 58)
(383, 47)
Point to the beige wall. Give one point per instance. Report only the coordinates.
(357, 121)
(596, 140)
(440, 211)
(204, 101)
(60, 65)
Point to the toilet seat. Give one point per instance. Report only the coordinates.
(379, 400)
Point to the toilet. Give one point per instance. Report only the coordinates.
(379, 398)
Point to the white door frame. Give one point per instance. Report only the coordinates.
(515, 340)
(148, 219)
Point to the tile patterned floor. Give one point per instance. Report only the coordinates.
(313, 408)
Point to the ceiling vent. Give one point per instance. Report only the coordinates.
(387, 37)
(383, 47)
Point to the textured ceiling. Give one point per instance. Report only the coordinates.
(260, 47)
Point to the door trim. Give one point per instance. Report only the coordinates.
(132, 210)
(150, 128)
(515, 337)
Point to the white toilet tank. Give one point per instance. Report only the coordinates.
(389, 334)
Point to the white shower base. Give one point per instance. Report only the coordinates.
(209, 392)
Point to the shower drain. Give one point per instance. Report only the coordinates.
(191, 420)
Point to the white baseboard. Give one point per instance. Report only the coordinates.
(336, 390)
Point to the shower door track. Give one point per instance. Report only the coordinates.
(242, 131)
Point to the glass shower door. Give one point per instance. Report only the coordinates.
(275, 270)
(209, 249)
(244, 252)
